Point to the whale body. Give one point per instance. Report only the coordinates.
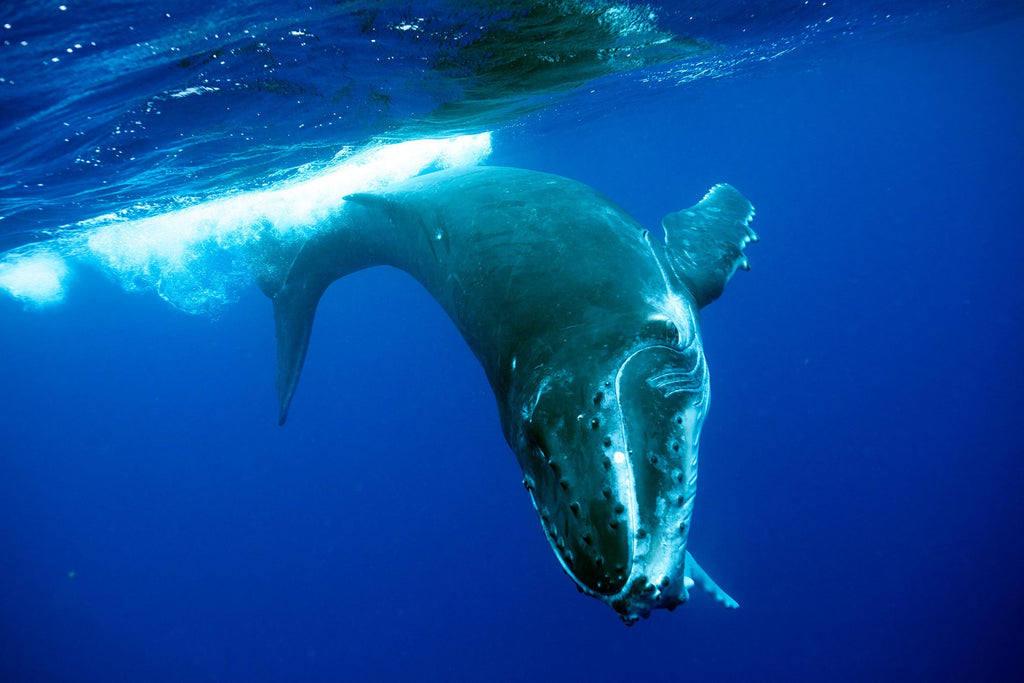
(588, 330)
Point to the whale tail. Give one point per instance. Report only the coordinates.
(294, 309)
(295, 298)
(296, 275)
(705, 242)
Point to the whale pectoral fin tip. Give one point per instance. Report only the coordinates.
(695, 575)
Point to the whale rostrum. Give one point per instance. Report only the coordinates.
(587, 328)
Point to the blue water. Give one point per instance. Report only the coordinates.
(860, 470)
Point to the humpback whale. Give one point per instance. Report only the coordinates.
(587, 328)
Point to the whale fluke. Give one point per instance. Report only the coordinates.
(296, 276)
(705, 242)
(294, 309)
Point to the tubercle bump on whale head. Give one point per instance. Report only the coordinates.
(610, 461)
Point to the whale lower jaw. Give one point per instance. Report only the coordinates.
(641, 595)
(657, 576)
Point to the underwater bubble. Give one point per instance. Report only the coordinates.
(34, 277)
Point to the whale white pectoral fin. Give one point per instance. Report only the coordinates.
(705, 243)
(694, 574)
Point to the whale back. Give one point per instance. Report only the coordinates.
(524, 263)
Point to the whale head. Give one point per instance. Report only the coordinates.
(609, 453)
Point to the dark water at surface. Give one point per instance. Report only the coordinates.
(860, 471)
(109, 106)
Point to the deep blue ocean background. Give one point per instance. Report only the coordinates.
(861, 467)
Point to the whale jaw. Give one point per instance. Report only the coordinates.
(611, 466)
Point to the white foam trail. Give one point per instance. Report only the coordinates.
(199, 258)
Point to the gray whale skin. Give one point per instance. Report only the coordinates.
(587, 328)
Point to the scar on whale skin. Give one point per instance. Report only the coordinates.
(588, 330)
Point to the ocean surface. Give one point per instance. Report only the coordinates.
(861, 469)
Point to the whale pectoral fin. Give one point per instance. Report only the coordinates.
(695, 573)
(294, 309)
(705, 243)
